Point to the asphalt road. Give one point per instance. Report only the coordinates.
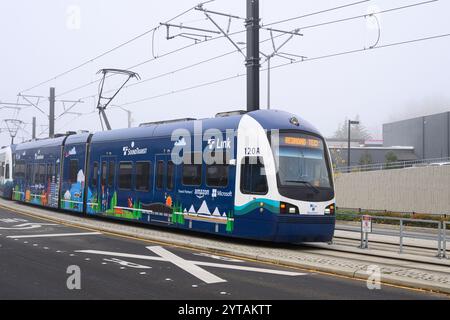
(40, 259)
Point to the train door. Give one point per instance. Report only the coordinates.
(165, 180)
(106, 186)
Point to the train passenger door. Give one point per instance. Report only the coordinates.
(165, 180)
(107, 182)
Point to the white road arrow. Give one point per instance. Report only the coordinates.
(28, 226)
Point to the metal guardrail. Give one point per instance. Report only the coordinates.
(395, 165)
(438, 234)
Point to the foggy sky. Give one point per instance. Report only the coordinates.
(40, 39)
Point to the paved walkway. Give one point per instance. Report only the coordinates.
(426, 273)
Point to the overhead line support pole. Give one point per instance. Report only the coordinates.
(51, 117)
(253, 55)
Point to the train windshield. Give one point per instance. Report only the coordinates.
(303, 167)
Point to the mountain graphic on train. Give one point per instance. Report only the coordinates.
(263, 175)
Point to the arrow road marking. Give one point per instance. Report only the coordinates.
(127, 263)
(193, 267)
(28, 226)
(186, 265)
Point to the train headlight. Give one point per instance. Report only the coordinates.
(330, 210)
(287, 208)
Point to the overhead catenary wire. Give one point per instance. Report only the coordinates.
(316, 13)
(155, 57)
(270, 39)
(316, 58)
(123, 44)
(238, 32)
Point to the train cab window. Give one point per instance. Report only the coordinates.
(7, 171)
(143, 176)
(111, 173)
(95, 174)
(2, 170)
(170, 175)
(160, 174)
(253, 176)
(104, 172)
(125, 175)
(217, 175)
(73, 170)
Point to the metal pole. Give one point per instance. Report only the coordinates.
(51, 117)
(444, 240)
(401, 236)
(348, 150)
(253, 60)
(33, 132)
(439, 241)
(268, 82)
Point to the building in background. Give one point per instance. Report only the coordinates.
(429, 135)
(367, 152)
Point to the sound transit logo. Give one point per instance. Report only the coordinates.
(133, 151)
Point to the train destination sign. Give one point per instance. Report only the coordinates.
(303, 142)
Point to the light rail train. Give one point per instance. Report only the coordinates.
(263, 175)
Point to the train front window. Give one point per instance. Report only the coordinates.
(303, 170)
(302, 161)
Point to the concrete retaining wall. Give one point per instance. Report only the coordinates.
(421, 190)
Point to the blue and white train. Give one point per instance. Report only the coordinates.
(263, 175)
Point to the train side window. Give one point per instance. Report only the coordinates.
(2, 170)
(170, 175)
(143, 176)
(95, 174)
(125, 175)
(29, 173)
(19, 170)
(7, 171)
(160, 174)
(50, 170)
(253, 176)
(73, 170)
(217, 175)
(104, 165)
(35, 173)
(111, 173)
(192, 174)
(42, 173)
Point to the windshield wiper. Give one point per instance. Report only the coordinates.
(316, 190)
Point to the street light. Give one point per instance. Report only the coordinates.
(350, 122)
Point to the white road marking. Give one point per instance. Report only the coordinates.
(55, 235)
(28, 226)
(213, 256)
(186, 265)
(127, 263)
(189, 265)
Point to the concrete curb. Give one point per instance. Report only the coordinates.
(312, 267)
